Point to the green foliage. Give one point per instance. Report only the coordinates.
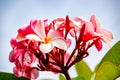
(10, 76)
(61, 77)
(113, 55)
(109, 67)
(83, 70)
(107, 71)
(78, 78)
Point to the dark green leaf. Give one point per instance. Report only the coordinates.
(10, 76)
(83, 70)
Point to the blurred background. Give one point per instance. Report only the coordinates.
(15, 13)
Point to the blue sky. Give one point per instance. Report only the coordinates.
(15, 13)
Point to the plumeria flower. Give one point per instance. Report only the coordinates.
(23, 58)
(26, 71)
(79, 23)
(49, 39)
(103, 34)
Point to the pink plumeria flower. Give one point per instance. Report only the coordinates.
(103, 34)
(78, 23)
(49, 39)
(26, 71)
(23, 58)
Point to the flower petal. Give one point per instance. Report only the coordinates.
(60, 43)
(54, 34)
(33, 37)
(32, 73)
(95, 22)
(11, 56)
(16, 72)
(98, 45)
(40, 29)
(45, 48)
(107, 34)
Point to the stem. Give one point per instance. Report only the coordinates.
(67, 76)
(71, 56)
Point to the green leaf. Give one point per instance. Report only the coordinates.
(107, 71)
(61, 77)
(83, 70)
(93, 76)
(10, 76)
(113, 55)
(78, 78)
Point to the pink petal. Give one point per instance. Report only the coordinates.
(20, 38)
(33, 73)
(13, 42)
(45, 48)
(16, 72)
(18, 52)
(11, 56)
(40, 29)
(54, 34)
(95, 22)
(60, 43)
(107, 34)
(88, 27)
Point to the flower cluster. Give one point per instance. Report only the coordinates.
(40, 46)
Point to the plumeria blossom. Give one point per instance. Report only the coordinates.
(49, 39)
(23, 58)
(40, 46)
(103, 34)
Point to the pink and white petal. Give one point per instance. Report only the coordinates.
(88, 27)
(46, 48)
(57, 25)
(33, 37)
(77, 23)
(54, 34)
(72, 32)
(106, 40)
(106, 33)
(20, 38)
(60, 43)
(40, 29)
(98, 45)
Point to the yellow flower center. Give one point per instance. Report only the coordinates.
(47, 40)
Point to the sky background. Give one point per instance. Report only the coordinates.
(15, 13)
